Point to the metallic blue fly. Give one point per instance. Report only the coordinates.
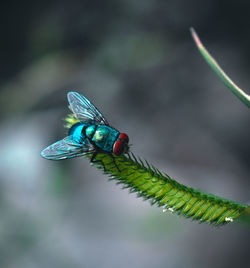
(92, 134)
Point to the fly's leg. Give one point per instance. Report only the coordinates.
(115, 163)
(92, 160)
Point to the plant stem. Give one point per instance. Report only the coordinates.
(149, 183)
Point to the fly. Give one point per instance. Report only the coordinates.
(91, 135)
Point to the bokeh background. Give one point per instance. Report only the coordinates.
(137, 62)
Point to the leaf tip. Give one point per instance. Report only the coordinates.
(196, 38)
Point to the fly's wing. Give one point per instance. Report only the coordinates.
(84, 110)
(67, 148)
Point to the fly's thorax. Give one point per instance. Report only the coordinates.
(101, 134)
(90, 131)
(105, 137)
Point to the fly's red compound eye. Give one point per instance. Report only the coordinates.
(124, 136)
(118, 147)
(121, 145)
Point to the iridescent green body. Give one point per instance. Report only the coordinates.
(102, 136)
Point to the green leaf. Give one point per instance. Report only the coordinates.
(217, 69)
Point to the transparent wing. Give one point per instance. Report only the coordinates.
(67, 148)
(84, 110)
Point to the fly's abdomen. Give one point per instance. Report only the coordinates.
(76, 132)
(105, 137)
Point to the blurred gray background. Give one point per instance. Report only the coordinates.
(136, 61)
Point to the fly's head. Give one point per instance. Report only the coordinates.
(121, 145)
